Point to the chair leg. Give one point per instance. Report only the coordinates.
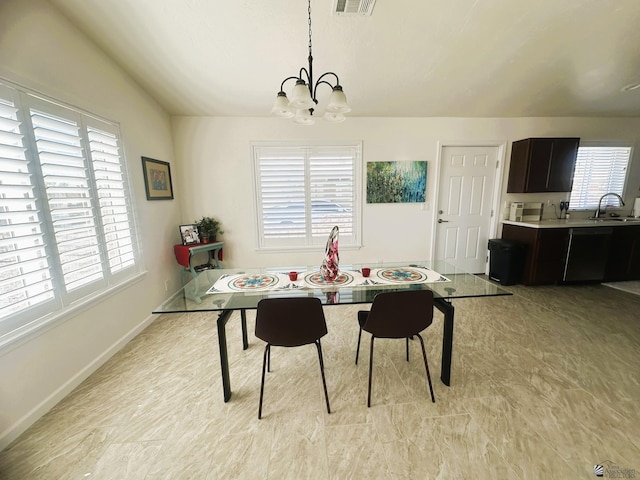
(269, 361)
(370, 372)
(267, 354)
(426, 366)
(407, 349)
(358, 348)
(324, 382)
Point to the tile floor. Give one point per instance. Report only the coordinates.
(545, 385)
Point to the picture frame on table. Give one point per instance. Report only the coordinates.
(189, 234)
(157, 179)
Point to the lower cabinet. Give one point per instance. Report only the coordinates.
(547, 250)
(624, 255)
(545, 255)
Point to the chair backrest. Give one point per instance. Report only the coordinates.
(289, 322)
(400, 314)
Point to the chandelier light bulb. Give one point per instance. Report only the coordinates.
(281, 106)
(334, 117)
(303, 117)
(338, 101)
(300, 96)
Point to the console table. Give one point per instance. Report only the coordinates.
(184, 254)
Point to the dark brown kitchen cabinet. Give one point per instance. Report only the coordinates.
(542, 165)
(545, 254)
(624, 255)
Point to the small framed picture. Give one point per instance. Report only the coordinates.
(157, 179)
(189, 234)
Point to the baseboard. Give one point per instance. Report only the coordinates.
(19, 427)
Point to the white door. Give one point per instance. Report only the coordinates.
(464, 208)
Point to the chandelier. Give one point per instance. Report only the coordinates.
(303, 96)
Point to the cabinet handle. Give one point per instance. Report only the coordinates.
(442, 221)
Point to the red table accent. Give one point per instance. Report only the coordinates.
(183, 254)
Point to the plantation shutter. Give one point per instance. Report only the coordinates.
(67, 230)
(282, 193)
(65, 175)
(25, 276)
(599, 170)
(114, 208)
(304, 191)
(332, 190)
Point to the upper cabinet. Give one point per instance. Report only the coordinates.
(542, 165)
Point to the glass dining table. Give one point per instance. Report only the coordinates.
(224, 291)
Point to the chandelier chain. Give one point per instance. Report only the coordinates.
(303, 101)
(309, 10)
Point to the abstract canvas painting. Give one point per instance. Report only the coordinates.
(396, 182)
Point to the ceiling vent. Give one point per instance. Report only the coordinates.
(353, 7)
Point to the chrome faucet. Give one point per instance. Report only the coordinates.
(597, 212)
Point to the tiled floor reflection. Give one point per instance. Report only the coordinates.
(545, 385)
(632, 286)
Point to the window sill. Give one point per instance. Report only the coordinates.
(37, 327)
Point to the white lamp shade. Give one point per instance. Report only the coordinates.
(338, 101)
(334, 117)
(303, 117)
(300, 97)
(281, 106)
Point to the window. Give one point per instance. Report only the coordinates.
(303, 191)
(66, 226)
(599, 170)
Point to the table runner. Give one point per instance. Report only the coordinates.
(260, 282)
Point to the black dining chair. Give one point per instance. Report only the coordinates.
(290, 322)
(401, 314)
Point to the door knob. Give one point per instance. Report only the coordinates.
(442, 221)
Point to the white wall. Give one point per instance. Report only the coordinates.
(41, 50)
(215, 158)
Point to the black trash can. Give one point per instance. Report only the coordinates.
(506, 261)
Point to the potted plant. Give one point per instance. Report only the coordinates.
(208, 227)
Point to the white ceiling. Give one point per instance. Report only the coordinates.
(411, 58)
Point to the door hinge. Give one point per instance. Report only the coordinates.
(492, 213)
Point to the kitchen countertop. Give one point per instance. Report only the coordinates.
(578, 222)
